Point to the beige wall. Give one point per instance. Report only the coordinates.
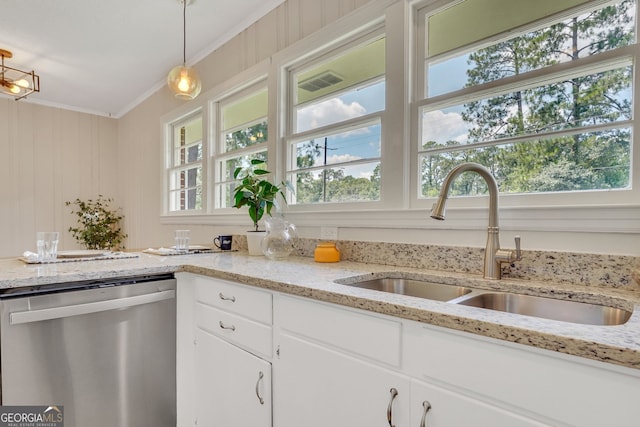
(139, 135)
(49, 156)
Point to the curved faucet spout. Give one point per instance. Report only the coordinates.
(438, 209)
(493, 255)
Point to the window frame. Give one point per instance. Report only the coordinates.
(218, 142)
(567, 202)
(183, 116)
(290, 137)
(399, 207)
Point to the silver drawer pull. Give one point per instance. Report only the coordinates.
(394, 393)
(223, 297)
(223, 326)
(260, 377)
(427, 406)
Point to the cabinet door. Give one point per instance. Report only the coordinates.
(233, 387)
(319, 387)
(449, 409)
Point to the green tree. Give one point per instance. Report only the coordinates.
(585, 160)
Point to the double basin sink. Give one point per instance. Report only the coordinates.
(527, 305)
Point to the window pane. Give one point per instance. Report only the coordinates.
(353, 183)
(353, 145)
(187, 142)
(246, 137)
(186, 189)
(226, 183)
(348, 105)
(343, 72)
(244, 111)
(568, 40)
(186, 199)
(587, 161)
(186, 178)
(584, 101)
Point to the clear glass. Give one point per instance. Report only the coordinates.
(355, 144)
(582, 161)
(280, 238)
(581, 101)
(47, 244)
(352, 103)
(353, 183)
(246, 137)
(583, 35)
(226, 182)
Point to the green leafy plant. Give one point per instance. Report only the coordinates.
(98, 224)
(258, 194)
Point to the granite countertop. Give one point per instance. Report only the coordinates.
(619, 345)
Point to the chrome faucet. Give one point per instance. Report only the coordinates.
(493, 255)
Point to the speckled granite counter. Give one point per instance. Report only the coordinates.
(301, 276)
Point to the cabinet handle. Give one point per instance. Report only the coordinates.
(394, 393)
(223, 297)
(427, 406)
(223, 326)
(260, 377)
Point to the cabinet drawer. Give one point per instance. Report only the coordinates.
(244, 332)
(357, 332)
(243, 300)
(562, 389)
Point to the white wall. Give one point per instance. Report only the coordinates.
(49, 156)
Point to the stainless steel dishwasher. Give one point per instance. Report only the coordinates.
(103, 349)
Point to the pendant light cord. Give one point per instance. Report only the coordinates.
(184, 33)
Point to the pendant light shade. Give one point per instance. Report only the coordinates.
(184, 81)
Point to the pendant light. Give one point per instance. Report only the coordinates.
(184, 81)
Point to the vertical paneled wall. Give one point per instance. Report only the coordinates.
(49, 156)
(140, 139)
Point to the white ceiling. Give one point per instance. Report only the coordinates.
(106, 56)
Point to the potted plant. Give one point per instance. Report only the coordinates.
(98, 225)
(259, 195)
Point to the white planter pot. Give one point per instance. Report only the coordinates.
(254, 238)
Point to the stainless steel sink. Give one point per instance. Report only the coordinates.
(548, 308)
(414, 288)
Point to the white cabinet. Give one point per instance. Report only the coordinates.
(545, 386)
(434, 406)
(233, 387)
(335, 367)
(250, 357)
(318, 387)
(224, 347)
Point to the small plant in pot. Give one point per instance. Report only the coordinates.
(98, 225)
(258, 195)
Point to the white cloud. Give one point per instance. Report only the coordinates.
(442, 127)
(327, 112)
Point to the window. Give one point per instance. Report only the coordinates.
(184, 164)
(242, 136)
(335, 131)
(547, 107)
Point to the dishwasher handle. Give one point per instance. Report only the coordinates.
(29, 316)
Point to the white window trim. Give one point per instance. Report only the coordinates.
(167, 132)
(402, 210)
(585, 212)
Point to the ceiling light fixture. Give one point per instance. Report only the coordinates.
(182, 80)
(14, 82)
